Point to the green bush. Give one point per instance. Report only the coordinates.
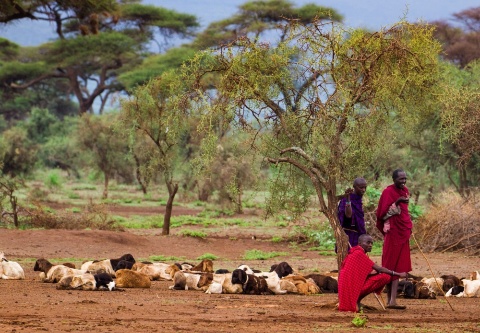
(207, 256)
(193, 233)
(260, 255)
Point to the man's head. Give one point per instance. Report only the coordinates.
(366, 242)
(359, 186)
(399, 178)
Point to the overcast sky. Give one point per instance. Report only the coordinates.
(370, 14)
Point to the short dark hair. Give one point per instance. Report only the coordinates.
(362, 237)
(396, 172)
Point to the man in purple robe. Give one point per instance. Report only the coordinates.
(350, 211)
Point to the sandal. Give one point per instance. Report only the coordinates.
(396, 307)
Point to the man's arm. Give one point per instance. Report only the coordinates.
(381, 269)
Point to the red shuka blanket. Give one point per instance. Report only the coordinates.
(351, 280)
(396, 247)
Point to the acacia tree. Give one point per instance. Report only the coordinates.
(260, 17)
(460, 122)
(460, 38)
(106, 147)
(150, 115)
(317, 105)
(97, 41)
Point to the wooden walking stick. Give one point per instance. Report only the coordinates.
(431, 271)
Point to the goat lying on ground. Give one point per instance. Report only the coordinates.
(471, 288)
(450, 281)
(455, 291)
(54, 273)
(273, 278)
(474, 275)
(434, 284)
(158, 271)
(191, 281)
(106, 265)
(303, 285)
(127, 278)
(251, 284)
(222, 283)
(10, 270)
(327, 284)
(87, 281)
(206, 265)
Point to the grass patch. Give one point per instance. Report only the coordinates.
(163, 258)
(208, 256)
(260, 255)
(140, 222)
(277, 239)
(193, 233)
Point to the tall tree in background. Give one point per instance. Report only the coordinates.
(460, 40)
(154, 113)
(107, 148)
(460, 122)
(258, 18)
(97, 41)
(318, 109)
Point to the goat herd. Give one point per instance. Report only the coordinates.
(125, 272)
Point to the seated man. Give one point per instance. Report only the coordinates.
(360, 276)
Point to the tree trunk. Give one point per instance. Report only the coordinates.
(105, 186)
(239, 200)
(13, 203)
(138, 174)
(172, 190)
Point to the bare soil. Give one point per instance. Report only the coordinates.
(32, 306)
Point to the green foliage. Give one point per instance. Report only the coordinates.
(259, 18)
(106, 147)
(260, 255)
(277, 239)
(40, 125)
(360, 320)
(193, 233)
(320, 234)
(207, 256)
(154, 66)
(162, 258)
(311, 114)
(141, 222)
(18, 153)
(416, 211)
(53, 180)
(8, 50)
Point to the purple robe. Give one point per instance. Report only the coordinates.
(355, 226)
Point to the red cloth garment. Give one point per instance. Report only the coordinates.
(354, 280)
(396, 247)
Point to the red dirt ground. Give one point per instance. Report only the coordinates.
(33, 306)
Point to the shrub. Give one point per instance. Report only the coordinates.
(207, 256)
(53, 180)
(92, 217)
(260, 255)
(193, 233)
(451, 224)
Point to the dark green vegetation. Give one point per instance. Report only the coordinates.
(234, 121)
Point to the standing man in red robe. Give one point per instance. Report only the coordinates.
(394, 222)
(360, 276)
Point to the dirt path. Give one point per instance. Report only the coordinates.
(33, 306)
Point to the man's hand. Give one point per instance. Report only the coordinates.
(403, 275)
(348, 191)
(403, 199)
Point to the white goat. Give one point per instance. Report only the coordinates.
(10, 270)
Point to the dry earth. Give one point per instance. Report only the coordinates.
(33, 306)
